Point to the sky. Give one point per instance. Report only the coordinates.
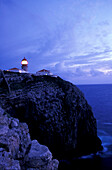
(71, 38)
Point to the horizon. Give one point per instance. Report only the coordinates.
(74, 43)
(62, 78)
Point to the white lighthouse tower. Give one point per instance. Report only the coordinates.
(24, 64)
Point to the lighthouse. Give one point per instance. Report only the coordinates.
(24, 64)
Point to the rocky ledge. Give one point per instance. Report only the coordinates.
(17, 151)
(55, 110)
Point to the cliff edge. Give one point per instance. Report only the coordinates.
(55, 110)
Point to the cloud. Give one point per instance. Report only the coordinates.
(95, 73)
(104, 23)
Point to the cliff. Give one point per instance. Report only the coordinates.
(55, 110)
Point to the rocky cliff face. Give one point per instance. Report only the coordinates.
(55, 110)
(17, 151)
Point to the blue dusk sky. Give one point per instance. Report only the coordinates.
(72, 38)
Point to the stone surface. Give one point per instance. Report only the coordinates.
(39, 156)
(55, 110)
(7, 163)
(17, 151)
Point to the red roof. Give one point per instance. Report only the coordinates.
(24, 59)
(14, 69)
(44, 70)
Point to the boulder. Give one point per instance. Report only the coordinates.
(7, 163)
(39, 156)
(17, 151)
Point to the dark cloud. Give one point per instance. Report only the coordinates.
(95, 73)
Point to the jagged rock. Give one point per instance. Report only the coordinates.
(56, 112)
(17, 151)
(39, 156)
(14, 123)
(3, 126)
(7, 163)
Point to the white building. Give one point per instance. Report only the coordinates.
(16, 70)
(44, 72)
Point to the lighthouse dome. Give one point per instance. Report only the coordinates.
(24, 61)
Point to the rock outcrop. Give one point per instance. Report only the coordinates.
(17, 151)
(55, 110)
